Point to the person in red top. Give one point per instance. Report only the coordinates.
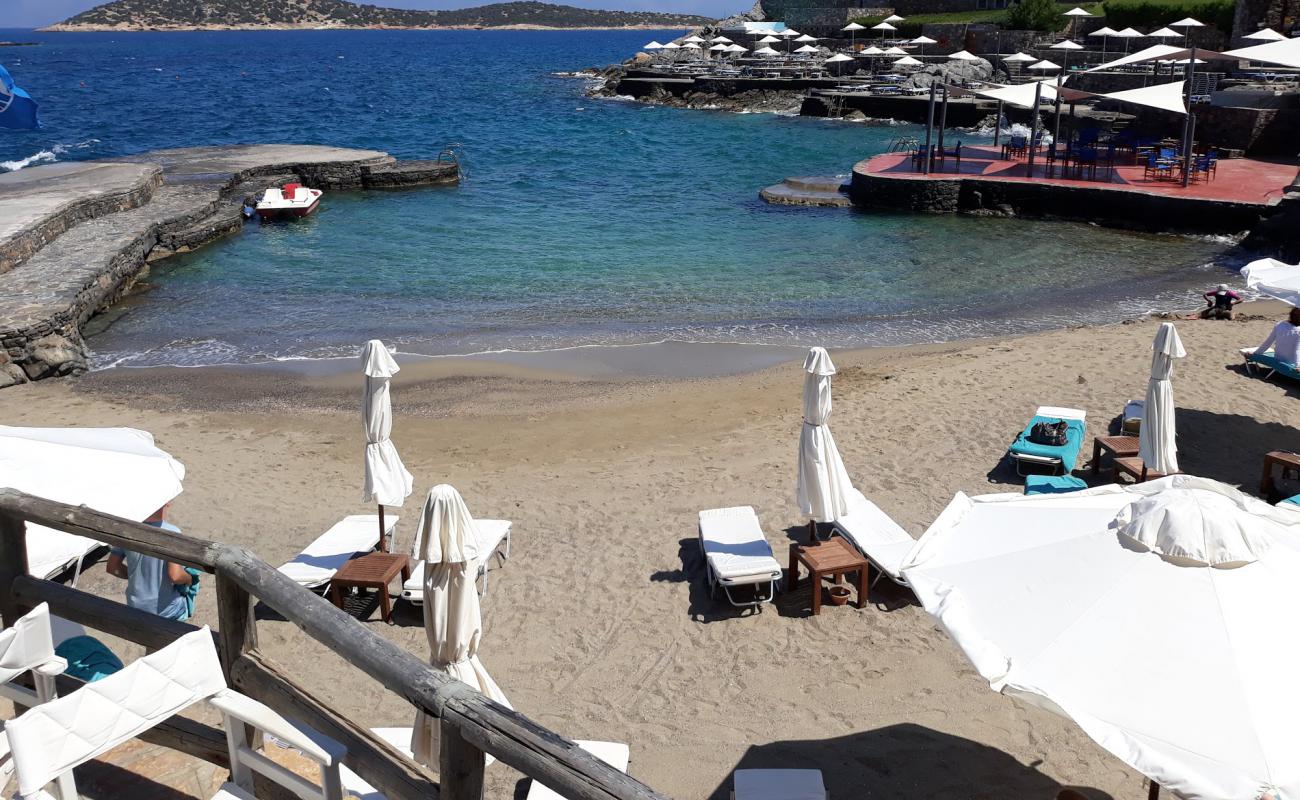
(1220, 303)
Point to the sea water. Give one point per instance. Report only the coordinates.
(579, 222)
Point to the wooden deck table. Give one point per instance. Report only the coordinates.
(832, 558)
(1278, 458)
(1117, 446)
(371, 571)
(1136, 469)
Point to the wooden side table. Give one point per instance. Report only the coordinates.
(1117, 446)
(1136, 469)
(1278, 458)
(831, 558)
(371, 571)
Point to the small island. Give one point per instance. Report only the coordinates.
(226, 15)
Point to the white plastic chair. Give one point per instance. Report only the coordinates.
(52, 738)
(28, 646)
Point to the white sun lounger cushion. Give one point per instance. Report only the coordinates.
(1060, 413)
(779, 784)
(27, 644)
(735, 546)
(876, 536)
(491, 533)
(50, 552)
(355, 785)
(615, 754)
(315, 566)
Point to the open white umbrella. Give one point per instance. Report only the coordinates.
(806, 38)
(824, 486)
(806, 49)
(769, 40)
(882, 27)
(837, 58)
(1154, 616)
(447, 541)
(852, 29)
(1156, 444)
(653, 46)
(766, 51)
(720, 40)
(693, 40)
(1187, 23)
(1127, 35)
(672, 46)
(1105, 33)
(1020, 58)
(118, 471)
(1076, 12)
(1164, 33)
(923, 40)
(1044, 66)
(871, 51)
(1266, 35)
(893, 18)
(907, 61)
(387, 483)
(719, 48)
(963, 55)
(1274, 278)
(789, 33)
(896, 51)
(735, 48)
(1066, 44)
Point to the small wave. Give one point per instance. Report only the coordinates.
(45, 156)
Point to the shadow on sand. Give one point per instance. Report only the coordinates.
(907, 760)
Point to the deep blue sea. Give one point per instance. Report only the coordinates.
(580, 221)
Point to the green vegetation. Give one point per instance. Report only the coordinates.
(1151, 14)
(1035, 15)
(163, 14)
(912, 25)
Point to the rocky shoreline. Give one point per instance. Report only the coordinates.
(76, 236)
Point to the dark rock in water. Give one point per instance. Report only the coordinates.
(951, 72)
(54, 355)
(855, 116)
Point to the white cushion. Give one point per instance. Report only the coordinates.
(1060, 412)
(316, 565)
(353, 784)
(779, 784)
(230, 791)
(616, 754)
(734, 543)
(876, 535)
(491, 533)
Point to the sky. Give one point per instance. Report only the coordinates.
(35, 13)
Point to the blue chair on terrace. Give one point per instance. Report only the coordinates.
(1205, 165)
(1016, 146)
(1157, 167)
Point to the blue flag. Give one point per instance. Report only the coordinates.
(17, 108)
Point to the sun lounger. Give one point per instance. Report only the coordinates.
(736, 553)
(50, 553)
(1058, 458)
(1270, 362)
(28, 647)
(1131, 420)
(494, 539)
(354, 784)
(778, 784)
(615, 754)
(876, 536)
(1053, 484)
(315, 566)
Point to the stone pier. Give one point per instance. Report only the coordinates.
(75, 236)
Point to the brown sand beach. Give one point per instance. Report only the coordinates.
(600, 625)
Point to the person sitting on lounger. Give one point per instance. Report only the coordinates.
(1284, 339)
(1220, 303)
(153, 585)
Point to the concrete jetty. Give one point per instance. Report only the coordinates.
(75, 236)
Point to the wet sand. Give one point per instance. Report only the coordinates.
(600, 626)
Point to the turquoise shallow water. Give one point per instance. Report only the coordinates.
(580, 222)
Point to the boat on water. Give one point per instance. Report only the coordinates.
(290, 200)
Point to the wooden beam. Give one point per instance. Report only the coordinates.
(13, 564)
(83, 521)
(460, 765)
(374, 760)
(116, 619)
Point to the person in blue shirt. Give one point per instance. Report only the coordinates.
(153, 585)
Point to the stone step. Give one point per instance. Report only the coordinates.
(823, 192)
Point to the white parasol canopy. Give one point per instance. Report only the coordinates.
(963, 55)
(907, 61)
(1129, 33)
(387, 483)
(1284, 53)
(693, 40)
(1164, 96)
(838, 57)
(806, 38)
(1164, 33)
(896, 51)
(789, 33)
(735, 48)
(1044, 65)
(769, 39)
(691, 46)
(672, 46)
(719, 48)
(1274, 278)
(1020, 58)
(1076, 12)
(1103, 31)
(924, 40)
(853, 26)
(118, 471)
(720, 40)
(871, 51)
(1266, 35)
(766, 51)
(1156, 439)
(1187, 22)
(883, 26)
(824, 486)
(653, 46)
(894, 18)
(806, 49)
(1066, 44)
(447, 542)
(1149, 615)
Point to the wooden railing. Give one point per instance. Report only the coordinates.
(471, 724)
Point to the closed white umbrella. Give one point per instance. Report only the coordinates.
(824, 486)
(1266, 35)
(1156, 444)
(1154, 616)
(387, 483)
(447, 542)
(1274, 278)
(118, 471)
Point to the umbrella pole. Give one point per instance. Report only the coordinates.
(383, 542)
(929, 130)
(1056, 125)
(943, 119)
(1188, 73)
(997, 127)
(1033, 131)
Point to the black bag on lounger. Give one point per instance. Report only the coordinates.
(1052, 434)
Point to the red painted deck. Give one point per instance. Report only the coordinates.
(1238, 180)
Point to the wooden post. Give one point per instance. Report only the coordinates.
(460, 765)
(237, 629)
(1189, 74)
(13, 564)
(943, 119)
(1154, 792)
(1033, 130)
(929, 131)
(997, 127)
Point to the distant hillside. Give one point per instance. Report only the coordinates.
(257, 14)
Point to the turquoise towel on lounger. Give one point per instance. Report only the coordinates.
(1053, 484)
(1068, 453)
(1272, 362)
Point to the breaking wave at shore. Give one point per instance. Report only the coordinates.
(45, 156)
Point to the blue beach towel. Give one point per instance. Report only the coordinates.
(88, 658)
(1068, 453)
(1284, 368)
(1295, 501)
(191, 592)
(1053, 484)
